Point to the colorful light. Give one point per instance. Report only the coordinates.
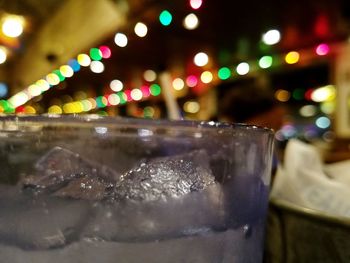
(308, 110)
(178, 84)
(145, 91)
(3, 54)
(101, 102)
(165, 18)
(322, 49)
(105, 51)
(18, 99)
(113, 99)
(224, 73)
(123, 98)
(84, 60)
(43, 84)
(323, 122)
(328, 107)
(73, 63)
(13, 26)
(191, 107)
(3, 89)
(66, 71)
(195, 4)
(97, 66)
(87, 105)
(191, 81)
(326, 93)
(292, 57)
(128, 95)
(243, 68)
(52, 79)
(121, 40)
(95, 54)
(150, 75)
(136, 94)
(141, 29)
(265, 62)
(206, 77)
(34, 90)
(155, 89)
(93, 103)
(298, 94)
(29, 110)
(116, 85)
(282, 95)
(59, 74)
(271, 37)
(54, 109)
(201, 59)
(191, 21)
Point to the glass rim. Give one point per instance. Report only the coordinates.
(94, 119)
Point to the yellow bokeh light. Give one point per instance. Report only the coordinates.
(43, 84)
(34, 90)
(52, 79)
(84, 60)
(282, 95)
(12, 26)
(206, 77)
(191, 107)
(29, 110)
(178, 84)
(54, 109)
(326, 93)
(292, 57)
(66, 71)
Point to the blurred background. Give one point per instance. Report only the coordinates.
(148, 58)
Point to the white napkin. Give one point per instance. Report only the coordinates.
(304, 180)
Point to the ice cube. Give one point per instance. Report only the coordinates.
(41, 222)
(162, 219)
(166, 177)
(66, 174)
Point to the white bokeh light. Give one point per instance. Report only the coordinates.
(243, 68)
(97, 67)
(121, 40)
(271, 37)
(191, 21)
(141, 29)
(13, 26)
(116, 85)
(201, 59)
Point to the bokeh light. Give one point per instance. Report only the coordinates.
(105, 51)
(97, 66)
(83, 60)
(141, 29)
(3, 54)
(55, 109)
(308, 110)
(136, 94)
(66, 71)
(121, 40)
(243, 68)
(224, 73)
(271, 37)
(191, 21)
(292, 57)
(178, 84)
(206, 77)
(18, 99)
(145, 91)
(265, 62)
(195, 4)
(165, 18)
(282, 95)
(326, 93)
(322, 49)
(328, 107)
(12, 26)
(191, 81)
(150, 75)
(201, 59)
(191, 107)
(74, 64)
(95, 54)
(113, 99)
(34, 90)
(29, 110)
(101, 101)
(52, 79)
(155, 89)
(116, 85)
(43, 84)
(323, 122)
(3, 90)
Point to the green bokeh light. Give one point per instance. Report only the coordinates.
(95, 54)
(224, 73)
(165, 18)
(265, 62)
(298, 94)
(122, 97)
(155, 89)
(100, 101)
(59, 75)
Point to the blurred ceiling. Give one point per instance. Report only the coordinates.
(60, 29)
